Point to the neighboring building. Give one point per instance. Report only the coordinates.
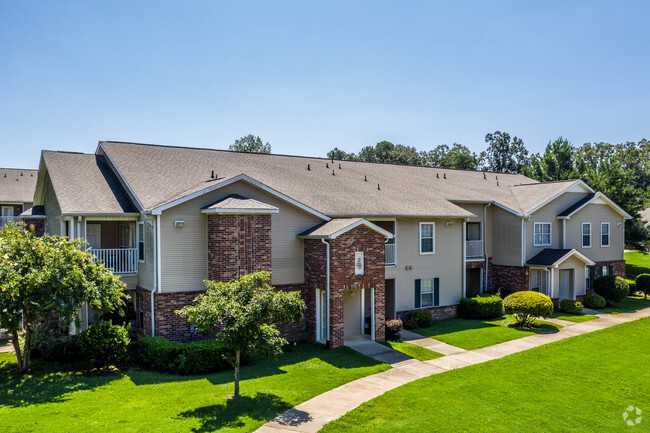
(16, 193)
(363, 242)
(645, 217)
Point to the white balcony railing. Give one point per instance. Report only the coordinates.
(473, 248)
(8, 219)
(121, 260)
(390, 254)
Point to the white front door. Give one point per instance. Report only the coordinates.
(94, 235)
(565, 284)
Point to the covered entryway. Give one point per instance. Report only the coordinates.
(473, 282)
(390, 299)
(352, 316)
(566, 284)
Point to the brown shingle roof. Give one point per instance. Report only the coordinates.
(84, 183)
(17, 185)
(160, 174)
(238, 202)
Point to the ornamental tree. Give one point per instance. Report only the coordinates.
(247, 312)
(40, 276)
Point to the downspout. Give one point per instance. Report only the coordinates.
(523, 241)
(485, 283)
(563, 234)
(464, 290)
(155, 281)
(327, 289)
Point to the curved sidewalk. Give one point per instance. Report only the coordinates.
(313, 414)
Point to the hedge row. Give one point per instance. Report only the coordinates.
(183, 358)
(481, 307)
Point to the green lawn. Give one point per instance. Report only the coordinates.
(139, 401)
(629, 303)
(637, 262)
(474, 334)
(413, 350)
(581, 384)
(577, 318)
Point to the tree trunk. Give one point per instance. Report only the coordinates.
(237, 374)
(19, 355)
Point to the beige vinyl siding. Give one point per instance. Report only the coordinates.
(446, 263)
(52, 209)
(146, 269)
(595, 214)
(578, 267)
(477, 209)
(506, 229)
(131, 281)
(548, 214)
(185, 250)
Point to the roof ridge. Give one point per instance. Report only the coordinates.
(547, 182)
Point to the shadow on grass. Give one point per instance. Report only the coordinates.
(231, 414)
(450, 326)
(629, 303)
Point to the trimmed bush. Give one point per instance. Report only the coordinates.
(418, 319)
(612, 288)
(481, 307)
(527, 305)
(205, 356)
(393, 328)
(595, 301)
(570, 306)
(105, 344)
(643, 284)
(631, 284)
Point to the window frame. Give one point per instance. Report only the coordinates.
(550, 234)
(433, 238)
(609, 234)
(582, 234)
(432, 292)
(141, 240)
(542, 276)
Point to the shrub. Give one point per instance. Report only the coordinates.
(183, 358)
(570, 306)
(612, 288)
(595, 301)
(527, 305)
(631, 284)
(51, 345)
(418, 319)
(105, 344)
(481, 307)
(393, 328)
(643, 284)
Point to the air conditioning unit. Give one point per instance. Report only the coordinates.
(179, 223)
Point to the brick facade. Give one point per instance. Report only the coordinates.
(618, 265)
(508, 279)
(36, 224)
(444, 312)
(238, 245)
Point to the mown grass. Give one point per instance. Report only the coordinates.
(581, 384)
(413, 350)
(629, 303)
(576, 318)
(637, 262)
(472, 334)
(55, 398)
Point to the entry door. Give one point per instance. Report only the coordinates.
(94, 235)
(565, 284)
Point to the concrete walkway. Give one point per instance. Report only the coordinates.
(313, 414)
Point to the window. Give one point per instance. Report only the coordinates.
(473, 231)
(604, 271)
(604, 234)
(426, 293)
(589, 277)
(141, 241)
(427, 238)
(586, 235)
(542, 234)
(539, 281)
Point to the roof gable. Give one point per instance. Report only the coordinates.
(336, 227)
(17, 185)
(235, 203)
(553, 257)
(596, 198)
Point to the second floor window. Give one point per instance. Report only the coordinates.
(427, 238)
(604, 234)
(542, 234)
(586, 235)
(141, 241)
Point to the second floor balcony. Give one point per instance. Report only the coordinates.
(8, 219)
(474, 249)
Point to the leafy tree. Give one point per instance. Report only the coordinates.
(250, 143)
(44, 275)
(336, 153)
(504, 154)
(436, 157)
(557, 162)
(383, 151)
(248, 311)
(459, 157)
(404, 155)
(367, 154)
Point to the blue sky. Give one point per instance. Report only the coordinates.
(309, 76)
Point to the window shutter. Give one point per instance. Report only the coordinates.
(611, 270)
(592, 277)
(436, 292)
(417, 294)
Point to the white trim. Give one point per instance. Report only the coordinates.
(599, 195)
(125, 215)
(120, 176)
(464, 290)
(346, 229)
(523, 242)
(572, 253)
(144, 243)
(552, 289)
(240, 211)
(433, 242)
(372, 314)
(582, 235)
(609, 234)
(563, 234)
(158, 210)
(578, 182)
(158, 252)
(550, 234)
(363, 310)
